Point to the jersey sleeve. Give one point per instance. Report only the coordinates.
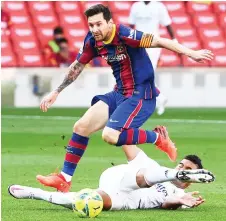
(165, 19)
(135, 38)
(87, 52)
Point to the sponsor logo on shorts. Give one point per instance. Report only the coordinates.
(114, 121)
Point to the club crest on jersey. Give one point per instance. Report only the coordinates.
(120, 48)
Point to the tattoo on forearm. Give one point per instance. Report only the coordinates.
(74, 71)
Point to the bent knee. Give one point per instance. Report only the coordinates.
(82, 128)
(110, 135)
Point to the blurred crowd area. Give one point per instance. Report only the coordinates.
(50, 34)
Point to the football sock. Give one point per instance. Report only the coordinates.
(75, 150)
(66, 176)
(59, 198)
(136, 136)
(159, 175)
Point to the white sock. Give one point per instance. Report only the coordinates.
(159, 175)
(161, 100)
(157, 136)
(67, 177)
(59, 198)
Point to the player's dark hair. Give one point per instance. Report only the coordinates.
(58, 30)
(194, 159)
(99, 8)
(62, 40)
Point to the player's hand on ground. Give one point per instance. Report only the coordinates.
(192, 199)
(202, 56)
(48, 100)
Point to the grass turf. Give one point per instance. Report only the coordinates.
(32, 146)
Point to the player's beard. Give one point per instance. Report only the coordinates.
(98, 37)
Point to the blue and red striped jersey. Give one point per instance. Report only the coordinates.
(125, 53)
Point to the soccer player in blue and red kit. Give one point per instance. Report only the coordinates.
(121, 112)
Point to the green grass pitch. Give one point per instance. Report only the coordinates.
(34, 145)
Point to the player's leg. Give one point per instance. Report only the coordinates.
(58, 198)
(131, 151)
(93, 120)
(144, 172)
(25, 192)
(137, 176)
(154, 54)
(131, 113)
(149, 176)
(123, 127)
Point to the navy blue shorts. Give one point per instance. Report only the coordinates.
(126, 112)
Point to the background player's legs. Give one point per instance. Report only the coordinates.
(154, 54)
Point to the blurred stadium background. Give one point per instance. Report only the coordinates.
(30, 26)
(28, 48)
(195, 115)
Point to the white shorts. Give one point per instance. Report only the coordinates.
(154, 55)
(119, 181)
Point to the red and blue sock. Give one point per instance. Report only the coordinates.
(136, 136)
(75, 150)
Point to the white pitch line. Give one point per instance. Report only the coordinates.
(36, 117)
(192, 121)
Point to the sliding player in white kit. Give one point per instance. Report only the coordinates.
(146, 16)
(140, 184)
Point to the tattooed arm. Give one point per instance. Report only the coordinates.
(73, 72)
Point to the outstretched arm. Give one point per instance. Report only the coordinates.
(188, 199)
(138, 39)
(73, 72)
(199, 56)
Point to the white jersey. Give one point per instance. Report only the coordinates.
(153, 197)
(147, 18)
(119, 182)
